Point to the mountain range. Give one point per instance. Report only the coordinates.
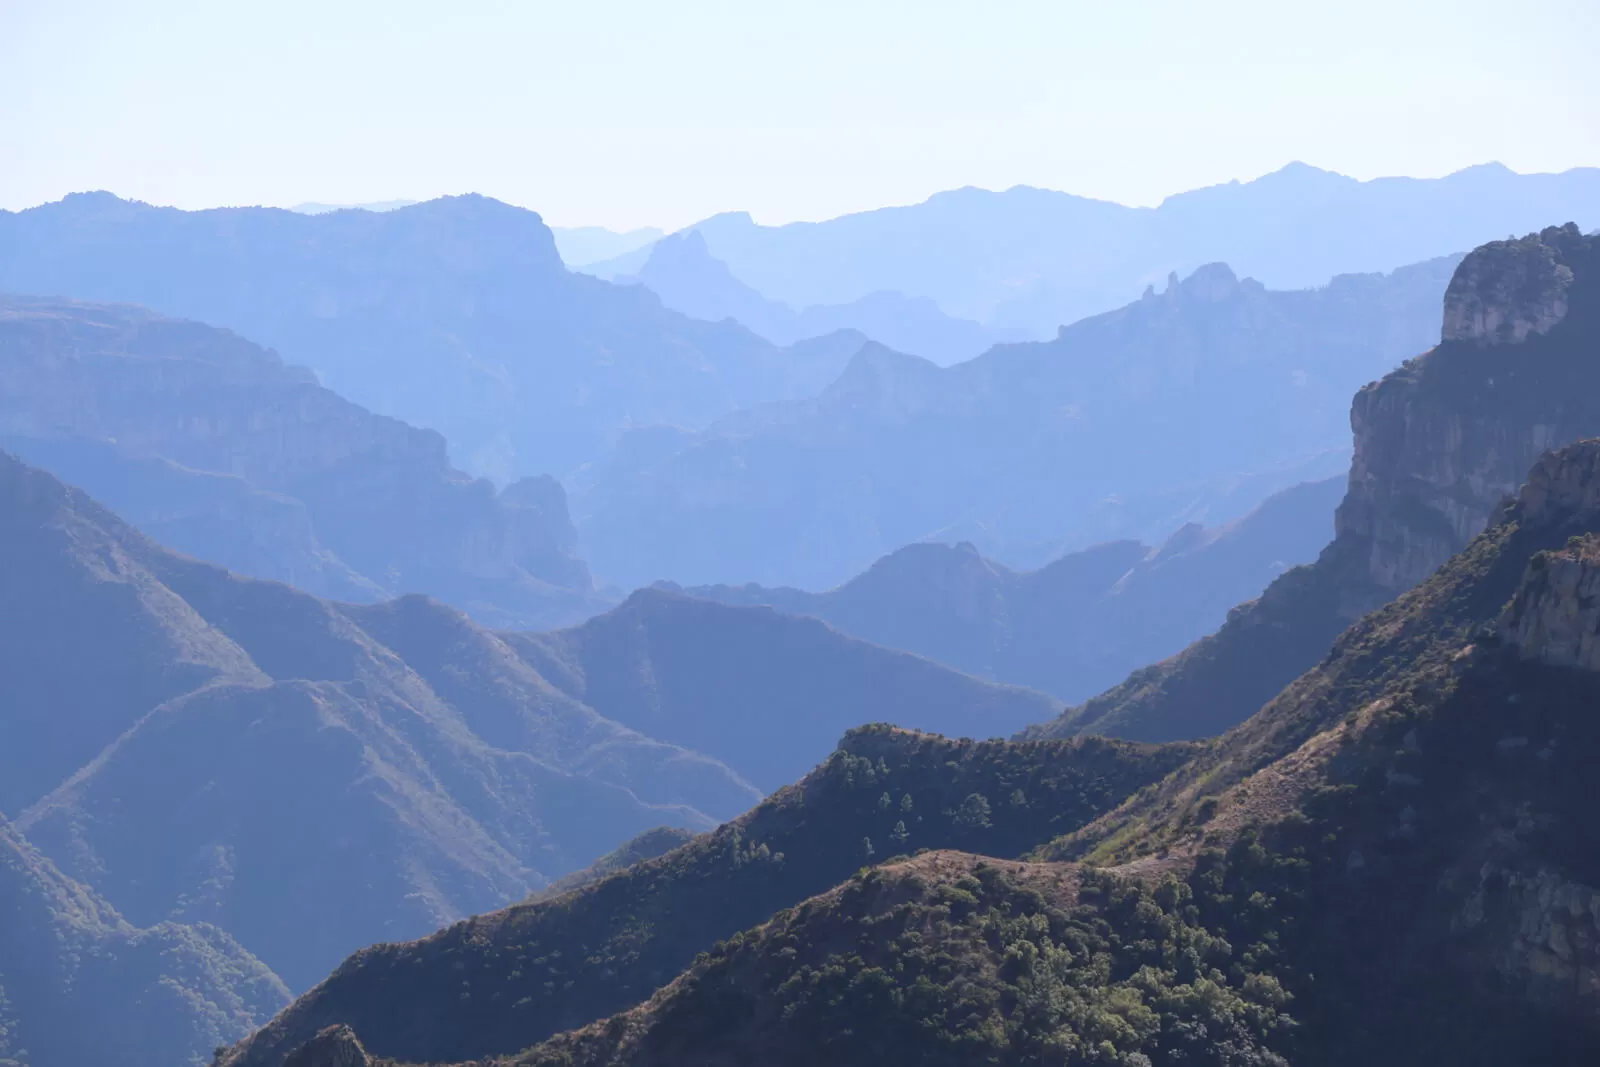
(1334, 880)
(311, 777)
(1080, 624)
(1390, 861)
(455, 315)
(683, 273)
(1189, 405)
(1035, 259)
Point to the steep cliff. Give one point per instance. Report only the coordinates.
(1438, 444)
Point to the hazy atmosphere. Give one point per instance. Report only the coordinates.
(714, 535)
(628, 114)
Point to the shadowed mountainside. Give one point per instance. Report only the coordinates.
(533, 970)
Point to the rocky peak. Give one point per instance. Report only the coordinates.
(1210, 283)
(1507, 290)
(1442, 440)
(336, 1046)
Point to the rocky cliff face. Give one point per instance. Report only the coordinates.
(1507, 290)
(1442, 440)
(1555, 615)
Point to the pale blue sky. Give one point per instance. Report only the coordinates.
(630, 112)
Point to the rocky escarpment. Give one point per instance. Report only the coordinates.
(1555, 615)
(1439, 443)
(1442, 440)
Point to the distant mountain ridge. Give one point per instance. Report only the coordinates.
(582, 245)
(217, 448)
(1037, 259)
(1079, 624)
(1189, 405)
(687, 278)
(457, 315)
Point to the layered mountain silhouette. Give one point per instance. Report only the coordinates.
(80, 984)
(1391, 863)
(1438, 443)
(216, 448)
(766, 693)
(309, 776)
(312, 777)
(456, 315)
(687, 278)
(1036, 259)
(1189, 405)
(1079, 624)
(582, 245)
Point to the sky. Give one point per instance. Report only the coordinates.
(629, 113)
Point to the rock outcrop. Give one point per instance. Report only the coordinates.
(1555, 615)
(1505, 291)
(335, 1046)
